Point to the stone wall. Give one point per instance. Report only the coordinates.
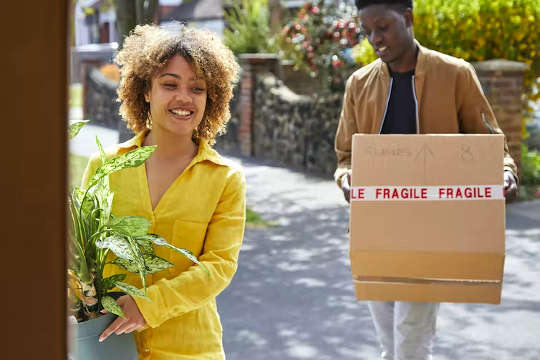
(229, 142)
(293, 129)
(99, 104)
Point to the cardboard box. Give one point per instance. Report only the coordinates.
(427, 218)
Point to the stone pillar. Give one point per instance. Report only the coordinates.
(502, 81)
(251, 64)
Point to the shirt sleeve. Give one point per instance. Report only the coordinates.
(476, 116)
(194, 288)
(346, 129)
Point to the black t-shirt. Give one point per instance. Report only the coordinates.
(401, 112)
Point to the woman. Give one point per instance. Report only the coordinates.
(175, 90)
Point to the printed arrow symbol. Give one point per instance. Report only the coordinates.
(425, 152)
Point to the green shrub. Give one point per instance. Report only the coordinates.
(248, 29)
(478, 30)
(530, 166)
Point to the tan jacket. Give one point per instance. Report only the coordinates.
(449, 100)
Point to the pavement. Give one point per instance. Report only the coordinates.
(292, 296)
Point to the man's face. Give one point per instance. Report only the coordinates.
(388, 30)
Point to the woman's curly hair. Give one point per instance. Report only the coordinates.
(148, 49)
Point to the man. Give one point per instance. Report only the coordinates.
(409, 90)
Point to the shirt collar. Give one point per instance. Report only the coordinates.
(135, 141)
(205, 151)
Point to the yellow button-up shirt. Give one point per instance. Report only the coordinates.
(202, 211)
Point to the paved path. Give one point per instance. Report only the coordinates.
(292, 297)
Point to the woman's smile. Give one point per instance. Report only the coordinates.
(182, 114)
(177, 98)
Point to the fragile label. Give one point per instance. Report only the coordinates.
(433, 193)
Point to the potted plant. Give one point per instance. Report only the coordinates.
(100, 239)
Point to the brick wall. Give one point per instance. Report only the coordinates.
(251, 65)
(502, 81)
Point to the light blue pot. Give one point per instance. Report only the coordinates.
(87, 347)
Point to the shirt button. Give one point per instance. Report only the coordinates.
(146, 350)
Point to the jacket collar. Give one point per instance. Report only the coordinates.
(419, 69)
(204, 153)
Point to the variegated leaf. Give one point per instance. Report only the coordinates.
(158, 240)
(130, 289)
(126, 264)
(90, 202)
(118, 245)
(109, 283)
(130, 225)
(111, 306)
(101, 151)
(132, 158)
(154, 264)
(145, 244)
(75, 127)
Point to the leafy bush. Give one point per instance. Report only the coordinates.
(248, 28)
(478, 30)
(319, 40)
(530, 166)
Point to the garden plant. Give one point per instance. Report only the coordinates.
(96, 234)
(248, 29)
(319, 40)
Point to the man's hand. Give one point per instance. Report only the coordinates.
(132, 321)
(510, 186)
(346, 187)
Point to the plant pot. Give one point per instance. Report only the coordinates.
(87, 347)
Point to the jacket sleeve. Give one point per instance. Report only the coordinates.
(194, 288)
(346, 129)
(475, 113)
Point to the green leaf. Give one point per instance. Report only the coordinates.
(89, 204)
(109, 283)
(111, 306)
(118, 245)
(102, 154)
(130, 159)
(106, 200)
(158, 240)
(153, 264)
(126, 264)
(75, 127)
(130, 225)
(131, 290)
(145, 244)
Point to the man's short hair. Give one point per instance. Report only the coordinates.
(360, 4)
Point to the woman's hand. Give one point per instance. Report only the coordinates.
(132, 320)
